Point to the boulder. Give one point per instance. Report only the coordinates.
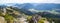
(2, 20)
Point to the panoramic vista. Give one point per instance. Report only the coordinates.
(29, 11)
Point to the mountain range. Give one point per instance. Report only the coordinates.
(51, 10)
(37, 6)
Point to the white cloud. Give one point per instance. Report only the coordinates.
(33, 10)
(52, 11)
(29, 1)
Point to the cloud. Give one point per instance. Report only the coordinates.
(29, 1)
(34, 10)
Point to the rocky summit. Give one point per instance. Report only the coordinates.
(25, 13)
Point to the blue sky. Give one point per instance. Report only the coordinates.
(29, 1)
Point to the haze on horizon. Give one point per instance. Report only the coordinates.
(29, 1)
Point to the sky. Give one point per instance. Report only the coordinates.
(29, 1)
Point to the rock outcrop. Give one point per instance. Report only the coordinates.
(2, 20)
